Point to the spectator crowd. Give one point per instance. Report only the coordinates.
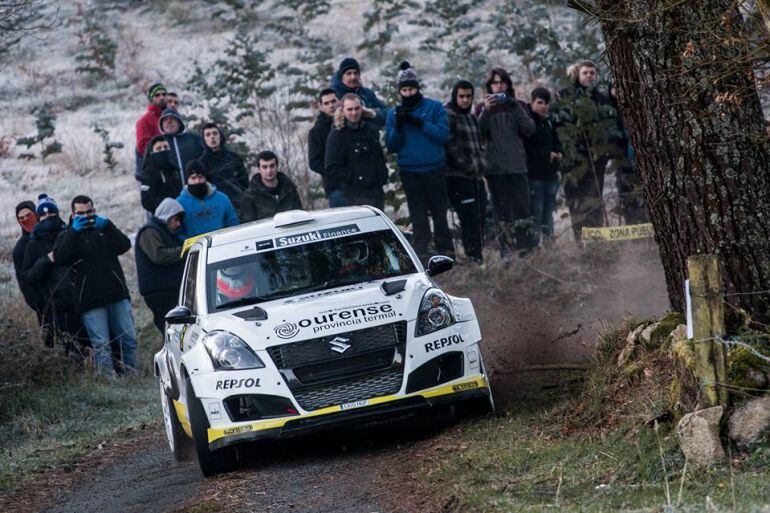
(490, 154)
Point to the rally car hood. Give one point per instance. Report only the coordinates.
(318, 314)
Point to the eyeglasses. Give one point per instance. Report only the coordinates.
(158, 95)
(85, 212)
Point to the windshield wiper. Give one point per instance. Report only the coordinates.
(243, 302)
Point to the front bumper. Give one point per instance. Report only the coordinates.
(340, 415)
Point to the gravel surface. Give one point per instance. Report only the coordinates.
(347, 471)
(146, 480)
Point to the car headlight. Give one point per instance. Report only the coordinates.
(229, 352)
(436, 313)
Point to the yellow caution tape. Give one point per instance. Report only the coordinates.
(612, 233)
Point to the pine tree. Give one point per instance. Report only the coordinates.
(45, 124)
(96, 50)
(453, 32)
(238, 82)
(381, 25)
(234, 88)
(545, 49)
(109, 146)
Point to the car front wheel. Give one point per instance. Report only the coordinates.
(211, 462)
(178, 441)
(478, 406)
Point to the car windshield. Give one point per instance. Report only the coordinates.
(305, 268)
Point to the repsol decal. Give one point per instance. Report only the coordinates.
(316, 235)
(230, 384)
(443, 342)
(465, 386)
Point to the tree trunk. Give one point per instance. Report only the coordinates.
(687, 93)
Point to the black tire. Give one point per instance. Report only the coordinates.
(476, 407)
(178, 441)
(211, 462)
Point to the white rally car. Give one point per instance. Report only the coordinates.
(310, 320)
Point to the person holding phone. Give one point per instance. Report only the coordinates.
(504, 124)
(90, 247)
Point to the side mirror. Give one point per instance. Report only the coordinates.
(180, 315)
(439, 264)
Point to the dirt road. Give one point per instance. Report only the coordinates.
(339, 472)
(379, 468)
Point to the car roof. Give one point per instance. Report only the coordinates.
(286, 222)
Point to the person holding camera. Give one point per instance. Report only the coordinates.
(52, 280)
(504, 124)
(90, 247)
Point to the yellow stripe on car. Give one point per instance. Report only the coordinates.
(261, 425)
(181, 414)
(192, 240)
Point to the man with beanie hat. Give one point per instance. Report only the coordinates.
(25, 216)
(90, 247)
(184, 146)
(417, 131)
(347, 79)
(159, 263)
(465, 162)
(52, 280)
(147, 127)
(269, 192)
(206, 209)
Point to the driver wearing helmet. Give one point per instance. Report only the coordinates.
(353, 257)
(234, 283)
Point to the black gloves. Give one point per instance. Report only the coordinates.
(399, 118)
(413, 120)
(403, 116)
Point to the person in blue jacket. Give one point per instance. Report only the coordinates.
(206, 209)
(347, 79)
(417, 131)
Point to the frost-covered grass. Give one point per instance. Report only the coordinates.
(52, 411)
(44, 427)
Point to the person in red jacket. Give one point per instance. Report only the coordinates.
(148, 125)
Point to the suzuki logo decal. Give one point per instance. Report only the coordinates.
(340, 344)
